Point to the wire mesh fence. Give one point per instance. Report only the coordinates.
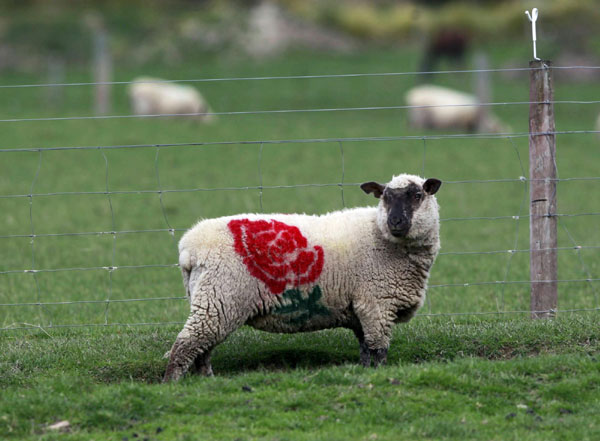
(40, 278)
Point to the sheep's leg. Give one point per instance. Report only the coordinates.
(377, 328)
(192, 350)
(184, 351)
(202, 364)
(208, 325)
(379, 356)
(365, 354)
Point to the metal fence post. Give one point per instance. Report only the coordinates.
(542, 191)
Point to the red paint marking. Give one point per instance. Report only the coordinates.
(276, 253)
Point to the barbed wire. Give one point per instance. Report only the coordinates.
(91, 233)
(176, 265)
(298, 77)
(270, 187)
(552, 312)
(584, 267)
(522, 311)
(284, 111)
(32, 242)
(509, 282)
(91, 268)
(87, 325)
(77, 302)
(114, 238)
(311, 140)
(500, 301)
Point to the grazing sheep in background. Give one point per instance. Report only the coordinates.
(458, 113)
(150, 96)
(362, 268)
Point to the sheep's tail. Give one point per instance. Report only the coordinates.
(185, 263)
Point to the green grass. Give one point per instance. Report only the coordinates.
(444, 380)
(451, 378)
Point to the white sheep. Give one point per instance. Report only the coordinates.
(361, 268)
(150, 96)
(443, 108)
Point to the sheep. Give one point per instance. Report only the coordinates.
(455, 111)
(362, 268)
(152, 96)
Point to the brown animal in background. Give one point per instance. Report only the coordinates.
(451, 44)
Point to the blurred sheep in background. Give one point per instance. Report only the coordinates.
(444, 108)
(153, 96)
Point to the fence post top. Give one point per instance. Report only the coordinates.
(533, 18)
(534, 14)
(540, 64)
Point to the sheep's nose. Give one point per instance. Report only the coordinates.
(398, 225)
(396, 221)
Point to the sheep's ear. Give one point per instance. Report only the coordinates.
(373, 187)
(432, 185)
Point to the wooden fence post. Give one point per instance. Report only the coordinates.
(101, 64)
(542, 191)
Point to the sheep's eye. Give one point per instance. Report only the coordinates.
(418, 196)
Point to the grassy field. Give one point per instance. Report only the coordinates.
(444, 380)
(449, 377)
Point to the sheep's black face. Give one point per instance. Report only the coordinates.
(401, 203)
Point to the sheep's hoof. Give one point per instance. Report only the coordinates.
(365, 359)
(172, 374)
(365, 355)
(379, 356)
(203, 369)
(207, 372)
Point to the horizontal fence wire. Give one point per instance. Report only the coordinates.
(308, 140)
(509, 282)
(27, 326)
(444, 285)
(92, 268)
(77, 302)
(289, 186)
(299, 77)
(284, 111)
(174, 230)
(85, 325)
(175, 265)
(160, 191)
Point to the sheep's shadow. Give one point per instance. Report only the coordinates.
(228, 364)
(277, 359)
(246, 351)
(251, 350)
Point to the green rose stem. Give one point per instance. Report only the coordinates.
(307, 307)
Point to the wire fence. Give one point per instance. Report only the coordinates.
(112, 267)
(300, 77)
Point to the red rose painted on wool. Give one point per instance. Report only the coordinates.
(276, 253)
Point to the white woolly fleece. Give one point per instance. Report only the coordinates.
(369, 279)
